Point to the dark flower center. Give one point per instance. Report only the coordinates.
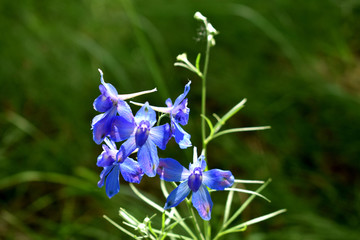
(142, 133)
(195, 179)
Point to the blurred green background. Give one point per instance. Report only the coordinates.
(297, 63)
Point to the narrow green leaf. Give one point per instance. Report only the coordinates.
(119, 227)
(128, 217)
(209, 124)
(248, 181)
(247, 191)
(245, 204)
(151, 230)
(228, 204)
(229, 114)
(217, 117)
(145, 199)
(197, 63)
(255, 220)
(244, 129)
(162, 223)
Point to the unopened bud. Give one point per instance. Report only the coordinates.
(211, 30)
(182, 57)
(199, 16)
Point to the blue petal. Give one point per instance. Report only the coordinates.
(96, 119)
(183, 95)
(201, 200)
(109, 90)
(142, 133)
(121, 129)
(181, 137)
(198, 163)
(168, 102)
(160, 135)
(181, 112)
(131, 171)
(171, 170)
(218, 179)
(124, 110)
(146, 113)
(112, 181)
(103, 175)
(106, 158)
(195, 180)
(177, 195)
(102, 127)
(148, 158)
(126, 149)
(102, 103)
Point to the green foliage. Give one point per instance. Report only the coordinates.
(296, 63)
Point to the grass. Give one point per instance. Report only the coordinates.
(295, 63)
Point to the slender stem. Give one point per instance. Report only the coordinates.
(207, 230)
(191, 210)
(203, 95)
(160, 209)
(207, 227)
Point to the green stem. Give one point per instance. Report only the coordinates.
(207, 227)
(203, 96)
(191, 210)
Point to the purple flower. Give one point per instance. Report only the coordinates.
(196, 180)
(142, 135)
(111, 105)
(179, 114)
(129, 169)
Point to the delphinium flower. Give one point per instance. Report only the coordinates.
(129, 169)
(141, 134)
(194, 179)
(111, 105)
(179, 114)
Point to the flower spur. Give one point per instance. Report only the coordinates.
(111, 105)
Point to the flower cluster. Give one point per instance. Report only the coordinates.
(141, 134)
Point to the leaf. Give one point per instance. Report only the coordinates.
(209, 124)
(197, 63)
(244, 129)
(229, 114)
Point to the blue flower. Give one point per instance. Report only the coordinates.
(129, 169)
(179, 114)
(142, 135)
(111, 105)
(196, 180)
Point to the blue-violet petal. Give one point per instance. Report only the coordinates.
(177, 195)
(201, 200)
(218, 179)
(171, 170)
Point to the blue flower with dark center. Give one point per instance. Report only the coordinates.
(129, 169)
(196, 180)
(142, 135)
(111, 105)
(179, 115)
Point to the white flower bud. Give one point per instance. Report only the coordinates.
(199, 16)
(182, 57)
(211, 30)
